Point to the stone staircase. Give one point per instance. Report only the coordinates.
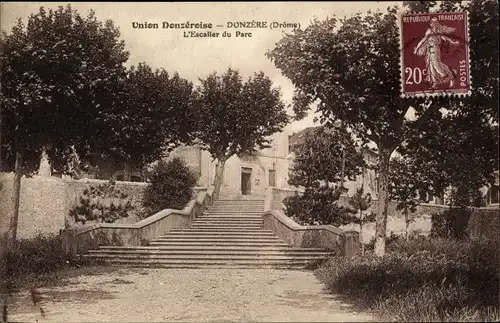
(229, 234)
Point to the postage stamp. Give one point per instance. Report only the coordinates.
(435, 54)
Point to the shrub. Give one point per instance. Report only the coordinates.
(451, 223)
(171, 186)
(102, 203)
(421, 279)
(318, 206)
(39, 255)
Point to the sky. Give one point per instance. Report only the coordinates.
(193, 58)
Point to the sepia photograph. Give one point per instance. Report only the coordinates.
(292, 161)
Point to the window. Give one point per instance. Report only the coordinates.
(494, 194)
(272, 178)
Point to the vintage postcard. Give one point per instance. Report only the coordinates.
(249, 161)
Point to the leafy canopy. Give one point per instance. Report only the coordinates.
(154, 116)
(319, 158)
(236, 117)
(60, 79)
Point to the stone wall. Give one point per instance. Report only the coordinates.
(133, 190)
(42, 205)
(45, 202)
(480, 223)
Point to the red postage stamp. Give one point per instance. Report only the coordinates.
(435, 54)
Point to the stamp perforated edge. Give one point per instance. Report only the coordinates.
(442, 93)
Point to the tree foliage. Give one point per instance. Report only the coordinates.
(154, 116)
(172, 184)
(60, 79)
(323, 160)
(407, 181)
(361, 202)
(319, 206)
(324, 156)
(236, 117)
(457, 152)
(350, 67)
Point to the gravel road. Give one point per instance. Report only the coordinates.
(187, 295)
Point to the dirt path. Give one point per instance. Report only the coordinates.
(197, 295)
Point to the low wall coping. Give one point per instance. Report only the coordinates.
(292, 225)
(149, 220)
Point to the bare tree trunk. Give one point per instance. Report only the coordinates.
(126, 171)
(383, 199)
(4, 280)
(219, 177)
(18, 173)
(361, 232)
(8, 239)
(407, 224)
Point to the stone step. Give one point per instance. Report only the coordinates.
(240, 209)
(228, 221)
(206, 258)
(213, 248)
(219, 229)
(227, 228)
(231, 242)
(152, 265)
(238, 201)
(233, 212)
(214, 238)
(300, 266)
(227, 224)
(229, 217)
(218, 234)
(255, 207)
(205, 253)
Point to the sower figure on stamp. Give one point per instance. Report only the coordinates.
(430, 46)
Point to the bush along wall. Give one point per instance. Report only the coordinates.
(319, 206)
(451, 223)
(172, 184)
(102, 203)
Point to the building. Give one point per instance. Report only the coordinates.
(251, 175)
(243, 176)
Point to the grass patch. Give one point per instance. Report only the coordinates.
(422, 279)
(41, 262)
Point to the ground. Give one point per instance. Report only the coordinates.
(196, 295)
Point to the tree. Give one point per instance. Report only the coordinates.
(320, 161)
(349, 67)
(60, 76)
(361, 202)
(324, 157)
(319, 206)
(236, 117)
(154, 119)
(456, 152)
(405, 184)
